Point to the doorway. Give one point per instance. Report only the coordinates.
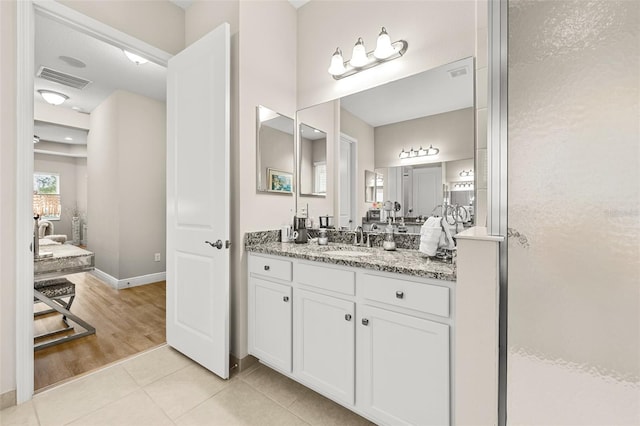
(348, 173)
(25, 88)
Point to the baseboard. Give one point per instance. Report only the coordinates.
(8, 399)
(129, 282)
(237, 365)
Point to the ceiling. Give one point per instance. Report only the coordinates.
(428, 93)
(57, 133)
(106, 66)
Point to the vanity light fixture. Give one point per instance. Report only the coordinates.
(466, 173)
(53, 98)
(136, 59)
(361, 59)
(464, 185)
(431, 151)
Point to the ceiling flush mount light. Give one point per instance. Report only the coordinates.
(136, 59)
(466, 173)
(54, 98)
(362, 60)
(412, 153)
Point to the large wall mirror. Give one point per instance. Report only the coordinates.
(312, 161)
(410, 141)
(275, 160)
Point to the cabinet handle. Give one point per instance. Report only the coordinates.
(285, 298)
(267, 267)
(365, 321)
(400, 294)
(347, 317)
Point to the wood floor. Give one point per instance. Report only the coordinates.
(127, 322)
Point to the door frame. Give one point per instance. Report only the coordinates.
(353, 185)
(25, 30)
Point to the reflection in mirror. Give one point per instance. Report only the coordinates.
(373, 187)
(313, 161)
(275, 160)
(418, 128)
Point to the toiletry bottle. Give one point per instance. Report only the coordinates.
(389, 243)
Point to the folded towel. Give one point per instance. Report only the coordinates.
(430, 233)
(446, 240)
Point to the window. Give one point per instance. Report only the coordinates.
(320, 178)
(46, 195)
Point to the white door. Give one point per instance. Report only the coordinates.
(427, 190)
(403, 368)
(324, 354)
(198, 201)
(346, 177)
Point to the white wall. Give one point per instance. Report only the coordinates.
(7, 206)
(70, 170)
(574, 216)
(438, 32)
(159, 23)
(126, 182)
(452, 132)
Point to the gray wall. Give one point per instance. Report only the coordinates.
(451, 132)
(276, 149)
(126, 179)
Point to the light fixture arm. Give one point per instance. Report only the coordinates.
(399, 46)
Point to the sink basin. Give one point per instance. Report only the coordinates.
(347, 253)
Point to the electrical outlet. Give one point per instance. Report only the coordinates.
(157, 257)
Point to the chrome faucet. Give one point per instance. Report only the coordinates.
(358, 241)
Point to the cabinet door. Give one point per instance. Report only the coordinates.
(324, 344)
(270, 322)
(403, 368)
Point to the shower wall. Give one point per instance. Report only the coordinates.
(574, 213)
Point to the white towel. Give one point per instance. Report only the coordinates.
(430, 233)
(446, 240)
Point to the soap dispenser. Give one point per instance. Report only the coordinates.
(389, 242)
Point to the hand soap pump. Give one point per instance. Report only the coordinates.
(389, 243)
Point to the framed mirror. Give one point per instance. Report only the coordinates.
(373, 187)
(417, 133)
(275, 159)
(312, 161)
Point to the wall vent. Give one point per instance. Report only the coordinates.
(62, 78)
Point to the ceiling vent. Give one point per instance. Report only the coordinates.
(458, 72)
(62, 78)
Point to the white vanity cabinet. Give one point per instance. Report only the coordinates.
(379, 343)
(270, 302)
(324, 344)
(403, 368)
(403, 351)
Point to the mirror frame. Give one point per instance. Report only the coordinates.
(260, 189)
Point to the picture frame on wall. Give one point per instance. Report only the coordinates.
(279, 181)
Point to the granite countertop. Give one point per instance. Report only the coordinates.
(401, 261)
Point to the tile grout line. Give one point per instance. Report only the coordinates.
(273, 400)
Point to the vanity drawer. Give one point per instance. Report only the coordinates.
(268, 267)
(326, 278)
(427, 298)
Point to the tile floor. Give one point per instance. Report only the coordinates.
(162, 387)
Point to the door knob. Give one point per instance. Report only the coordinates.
(347, 317)
(400, 294)
(285, 298)
(217, 244)
(365, 321)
